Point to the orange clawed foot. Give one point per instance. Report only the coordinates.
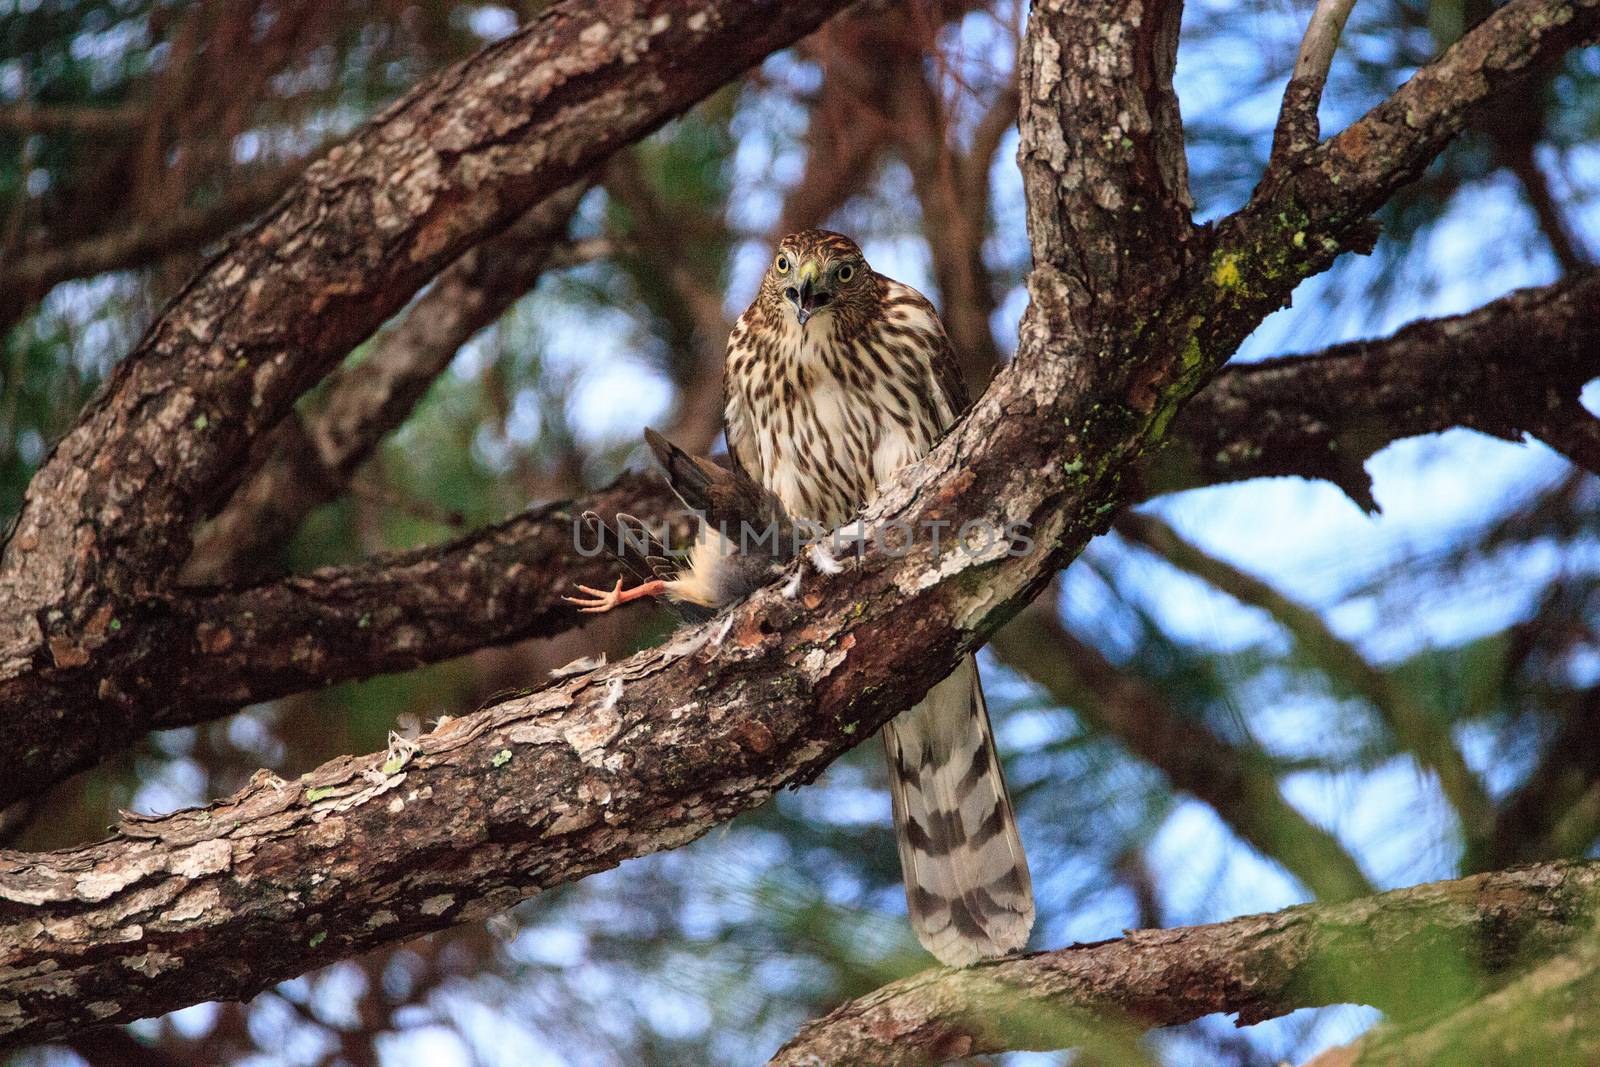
(600, 600)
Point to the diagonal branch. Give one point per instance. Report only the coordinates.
(314, 462)
(1301, 218)
(1406, 951)
(652, 752)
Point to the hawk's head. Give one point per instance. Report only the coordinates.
(819, 272)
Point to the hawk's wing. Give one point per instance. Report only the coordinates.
(736, 421)
(947, 377)
(948, 382)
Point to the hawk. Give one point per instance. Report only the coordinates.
(837, 377)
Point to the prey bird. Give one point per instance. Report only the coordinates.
(837, 377)
(744, 538)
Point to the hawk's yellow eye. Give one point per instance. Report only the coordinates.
(846, 272)
(782, 265)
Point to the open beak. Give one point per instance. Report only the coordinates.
(805, 295)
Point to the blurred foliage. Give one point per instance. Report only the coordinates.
(1478, 594)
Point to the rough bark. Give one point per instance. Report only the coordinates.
(107, 519)
(1498, 369)
(1408, 951)
(1317, 205)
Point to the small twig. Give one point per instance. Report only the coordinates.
(1297, 131)
(19, 211)
(31, 118)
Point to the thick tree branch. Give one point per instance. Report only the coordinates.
(1239, 785)
(196, 654)
(1300, 218)
(107, 519)
(1502, 369)
(1406, 951)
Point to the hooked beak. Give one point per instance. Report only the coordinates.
(805, 295)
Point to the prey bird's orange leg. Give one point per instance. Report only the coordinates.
(599, 601)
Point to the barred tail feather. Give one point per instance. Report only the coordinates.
(967, 884)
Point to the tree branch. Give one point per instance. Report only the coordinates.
(1408, 951)
(1131, 313)
(1500, 369)
(25, 279)
(1297, 131)
(1493, 369)
(1302, 217)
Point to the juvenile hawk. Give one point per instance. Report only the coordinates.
(837, 377)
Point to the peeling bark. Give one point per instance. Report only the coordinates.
(1415, 950)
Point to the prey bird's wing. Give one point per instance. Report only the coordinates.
(731, 502)
(630, 542)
